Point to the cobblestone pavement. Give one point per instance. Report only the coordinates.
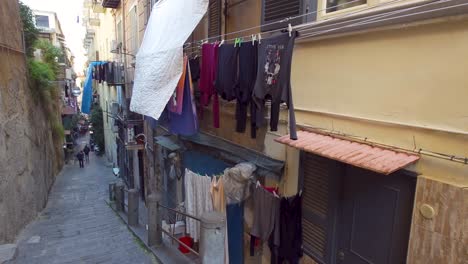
(77, 226)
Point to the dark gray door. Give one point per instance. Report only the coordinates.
(375, 217)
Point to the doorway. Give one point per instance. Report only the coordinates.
(375, 217)
(353, 215)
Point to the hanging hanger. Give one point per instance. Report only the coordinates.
(290, 30)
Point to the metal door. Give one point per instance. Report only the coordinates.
(375, 217)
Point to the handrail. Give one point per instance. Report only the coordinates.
(179, 212)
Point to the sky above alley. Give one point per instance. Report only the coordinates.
(67, 11)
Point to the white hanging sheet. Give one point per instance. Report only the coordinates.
(159, 61)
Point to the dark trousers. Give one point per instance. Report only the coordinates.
(81, 163)
(235, 230)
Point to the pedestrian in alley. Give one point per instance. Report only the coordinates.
(86, 151)
(80, 157)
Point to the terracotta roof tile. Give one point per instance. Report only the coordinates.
(361, 155)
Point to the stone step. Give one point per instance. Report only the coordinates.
(7, 252)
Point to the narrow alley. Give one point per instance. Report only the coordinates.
(78, 226)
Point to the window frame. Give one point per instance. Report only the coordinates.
(42, 16)
(306, 6)
(323, 14)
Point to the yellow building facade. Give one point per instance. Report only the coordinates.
(401, 86)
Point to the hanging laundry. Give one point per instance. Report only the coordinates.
(217, 194)
(248, 56)
(266, 215)
(273, 80)
(219, 204)
(176, 102)
(235, 231)
(195, 68)
(290, 247)
(227, 72)
(207, 77)
(110, 73)
(186, 123)
(254, 241)
(197, 200)
(236, 181)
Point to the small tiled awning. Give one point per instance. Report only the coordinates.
(361, 155)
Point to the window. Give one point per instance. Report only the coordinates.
(274, 11)
(133, 30)
(42, 21)
(335, 5)
(214, 18)
(320, 181)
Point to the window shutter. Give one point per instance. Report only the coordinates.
(320, 178)
(214, 18)
(277, 10)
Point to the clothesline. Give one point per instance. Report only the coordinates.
(381, 17)
(285, 20)
(371, 19)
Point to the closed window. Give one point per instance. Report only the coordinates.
(279, 13)
(42, 21)
(214, 18)
(335, 5)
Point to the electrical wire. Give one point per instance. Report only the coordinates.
(311, 26)
(376, 20)
(271, 23)
(198, 43)
(362, 21)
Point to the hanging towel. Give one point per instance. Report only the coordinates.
(197, 200)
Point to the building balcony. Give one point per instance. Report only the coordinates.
(129, 132)
(94, 22)
(97, 6)
(110, 3)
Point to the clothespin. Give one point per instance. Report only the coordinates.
(254, 38)
(259, 38)
(237, 41)
(275, 194)
(300, 192)
(258, 184)
(222, 42)
(290, 30)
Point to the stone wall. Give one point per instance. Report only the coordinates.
(29, 159)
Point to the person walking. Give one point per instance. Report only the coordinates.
(80, 157)
(86, 151)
